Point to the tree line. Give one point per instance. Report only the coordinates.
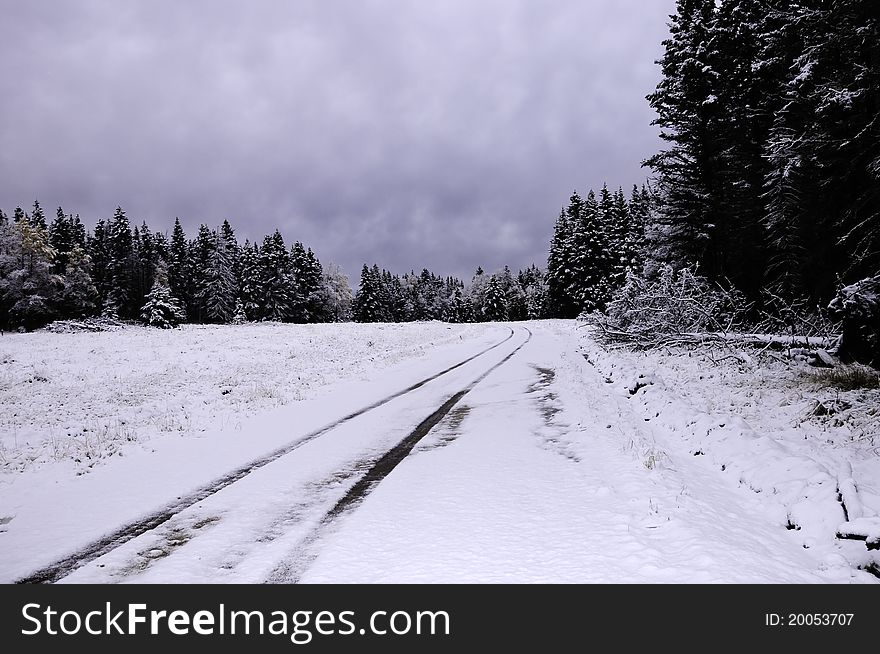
(386, 297)
(59, 270)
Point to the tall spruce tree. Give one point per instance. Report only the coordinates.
(308, 277)
(37, 217)
(249, 293)
(147, 257)
(61, 240)
(218, 291)
(99, 256)
(200, 251)
(559, 273)
(179, 265)
(120, 267)
(495, 306)
(161, 309)
(368, 306)
(277, 286)
(687, 111)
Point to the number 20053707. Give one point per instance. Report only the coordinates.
(808, 619)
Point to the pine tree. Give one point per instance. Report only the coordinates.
(179, 266)
(217, 294)
(514, 297)
(97, 249)
(636, 246)
(308, 275)
(200, 252)
(239, 317)
(249, 292)
(495, 307)
(10, 257)
(37, 217)
(559, 273)
(228, 234)
(475, 296)
(161, 308)
(616, 225)
(77, 231)
(770, 111)
(146, 258)
(534, 288)
(367, 302)
(277, 286)
(746, 81)
(823, 147)
(686, 103)
(458, 308)
(397, 296)
(120, 267)
(61, 240)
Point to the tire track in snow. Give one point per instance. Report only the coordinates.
(98, 548)
(380, 468)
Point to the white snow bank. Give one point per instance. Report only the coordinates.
(756, 424)
(867, 528)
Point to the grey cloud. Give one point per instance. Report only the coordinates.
(439, 134)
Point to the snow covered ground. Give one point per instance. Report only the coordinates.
(555, 461)
(554, 472)
(772, 427)
(80, 398)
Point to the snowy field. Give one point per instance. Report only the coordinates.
(561, 461)
(80, 398)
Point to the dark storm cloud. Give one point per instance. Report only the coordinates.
(441, 134)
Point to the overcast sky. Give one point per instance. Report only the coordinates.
(413, 133)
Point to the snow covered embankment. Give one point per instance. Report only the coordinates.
(755, 427)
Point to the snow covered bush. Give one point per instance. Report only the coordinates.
(675, 306)
(858, 307)
(161, 308)
(84, 325)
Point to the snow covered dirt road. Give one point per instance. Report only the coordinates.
(519, 462)
(543, 475)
